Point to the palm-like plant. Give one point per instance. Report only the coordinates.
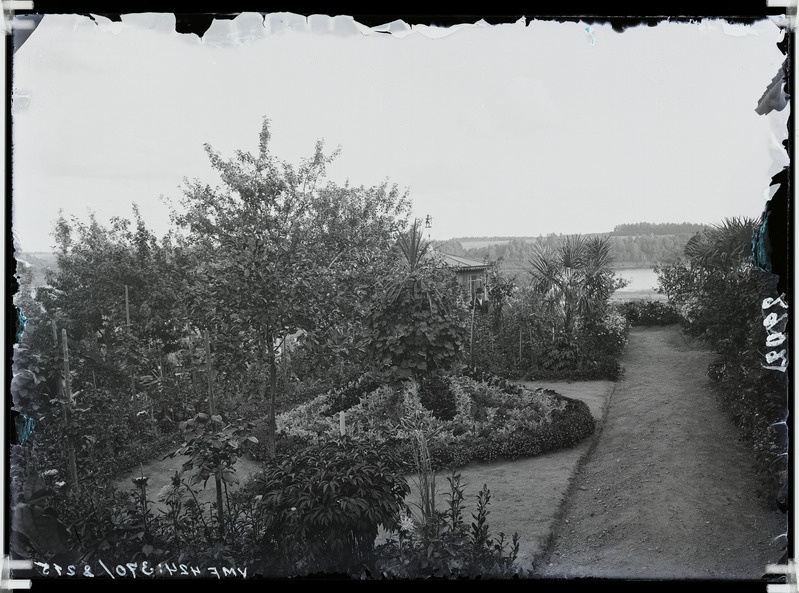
(725, 246)
(414, 250)
(574, 278)
(413, 246)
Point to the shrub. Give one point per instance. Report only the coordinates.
(649, 312)
(321, 509)
(418, 323)
(561, 356)
(718, 292)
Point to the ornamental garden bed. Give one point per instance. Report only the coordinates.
(464, 420)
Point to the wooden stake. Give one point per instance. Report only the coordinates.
(127, 322)
(211, 406)
(72, 464)
(471, 337)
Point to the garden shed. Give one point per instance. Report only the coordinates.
(471, 274)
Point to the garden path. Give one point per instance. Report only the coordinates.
(669, 490)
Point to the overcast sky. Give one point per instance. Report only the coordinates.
(514, 129)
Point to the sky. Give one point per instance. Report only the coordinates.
(494, 130)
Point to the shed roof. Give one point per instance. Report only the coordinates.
(463, 263)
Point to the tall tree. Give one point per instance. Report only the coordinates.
(255, 270)
(277, 249)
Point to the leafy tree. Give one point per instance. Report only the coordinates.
(254, 270)
(716, 268)
(278, 251)
(87, 297)
(500, 289)
(354, 232)
(214, 448)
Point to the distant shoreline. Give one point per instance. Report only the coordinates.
(632, 266)
(612, 267)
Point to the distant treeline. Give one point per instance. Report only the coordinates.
(640, 245)
(659, 228)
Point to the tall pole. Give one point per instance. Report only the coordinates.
(471, 337)
(127, 324)
(211, 406)
(72, 464)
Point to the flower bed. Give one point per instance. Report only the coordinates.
(492, 420)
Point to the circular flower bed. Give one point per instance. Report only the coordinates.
(465, 420)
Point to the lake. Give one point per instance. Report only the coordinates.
(640, 279)
(643, 284)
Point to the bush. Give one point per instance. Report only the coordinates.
(322, 508)
(418, 325)
(649, 312)
(718, 292)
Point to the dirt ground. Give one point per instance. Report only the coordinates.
(669, 491)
